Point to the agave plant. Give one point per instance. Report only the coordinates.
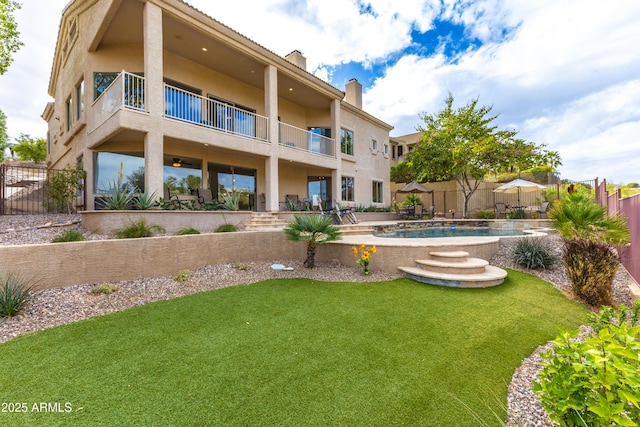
(313, 229)
(15, 292)
(144, 201)
(231, 201)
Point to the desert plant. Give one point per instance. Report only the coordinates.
(534, 253)
(290, 205)
(103, 289)
(240, 266)
(15, 292)
(120, 197)
(182, 276)
(231, 201)
(63, 187)
(517, 213)
(226, 228)
(313, 229)
(143, 201)
(71, 235)
(591, 267)
(187, 230)
(138, 229)
(593, 381)
(413, 199)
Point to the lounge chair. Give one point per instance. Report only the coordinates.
(501, 209)
(205, 195)
(544, 208)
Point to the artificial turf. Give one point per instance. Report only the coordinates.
(289, 352)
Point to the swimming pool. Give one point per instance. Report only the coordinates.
(447, 231)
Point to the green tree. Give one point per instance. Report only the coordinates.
(63, 188)
(313, 229)
(31, 149)
(462, 144)
(3, 134)
(9, 35)
(403, 172)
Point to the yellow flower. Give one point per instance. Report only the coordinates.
(373, 250)
(363, 246)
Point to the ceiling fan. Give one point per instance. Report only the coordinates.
(178, 162)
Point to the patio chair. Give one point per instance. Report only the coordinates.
(205, 195)
(501, 209)
(168, 196)
(399, 213)
(432, 212)
(544, 208)
(418, 211)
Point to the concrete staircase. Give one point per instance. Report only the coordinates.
(355, 229)
(265, 221)
(455, 269)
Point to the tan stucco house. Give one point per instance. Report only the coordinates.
(165, 94)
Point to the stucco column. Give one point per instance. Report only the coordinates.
(336, 174)
(271, 162)
(89, 186)
(154, 93)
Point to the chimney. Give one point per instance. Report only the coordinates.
(297, 59)
(353, 91)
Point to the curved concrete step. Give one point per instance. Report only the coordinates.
(451, 256)
(492, 276)
(462, 266)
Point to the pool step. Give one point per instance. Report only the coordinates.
(455, 269)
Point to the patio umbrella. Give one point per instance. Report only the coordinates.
(416, 188)
(519, 185)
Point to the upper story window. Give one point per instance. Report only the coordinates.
(69, 113)
(385, 150)
(348, 189)
(319, 140)
(79, 99)
(346, 141)
(374, 145)
(70, 37)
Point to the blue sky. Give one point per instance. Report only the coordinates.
(563, 73)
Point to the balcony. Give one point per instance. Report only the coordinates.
(127, 92)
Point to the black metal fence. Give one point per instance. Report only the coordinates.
(28, 190)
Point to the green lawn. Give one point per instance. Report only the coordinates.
(289, 352)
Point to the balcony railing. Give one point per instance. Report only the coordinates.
(125, 91)
(189, 107)
(296, 138)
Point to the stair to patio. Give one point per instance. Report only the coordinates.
(455, 269)
(265, 221)
(355, 229)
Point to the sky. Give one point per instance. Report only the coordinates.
(564, 73)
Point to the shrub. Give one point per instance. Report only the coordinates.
(104, 289)
(63, 187)
(226, 228)
(485, 214)
(187, 230)
(138, 229)
(68, 236)
(591, 267)
(231, 201)
(534, 253)
(15, 292)
(594, 381)
(182, 276)
(240, 266)
(517, 213)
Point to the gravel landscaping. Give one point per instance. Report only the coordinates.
(60, 306)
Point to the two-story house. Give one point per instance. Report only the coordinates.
(155, 93)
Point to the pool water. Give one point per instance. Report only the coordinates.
(450, 231)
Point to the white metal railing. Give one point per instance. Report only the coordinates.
(125, 91)
(186, 106)
(296, 138)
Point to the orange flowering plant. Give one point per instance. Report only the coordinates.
(363, 255)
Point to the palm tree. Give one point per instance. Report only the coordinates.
(313, 229)
(589, 235)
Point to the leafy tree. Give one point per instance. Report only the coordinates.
(63, 187)
(313, 229)
(463, 145)
(3, 134)
(9, 35)
(403, 172)
(31, 149)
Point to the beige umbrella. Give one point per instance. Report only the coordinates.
(415, 188)
(519, 185)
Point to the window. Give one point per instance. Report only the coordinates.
(101, 81)
(230, 117)
(348, 193)
(346, 141)
(106, 170)
(393, 152)
(374, 145)
(400, 152)
(79, 99)
(69, 112)
(376, 191)
(385, 150)
(182, 101)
